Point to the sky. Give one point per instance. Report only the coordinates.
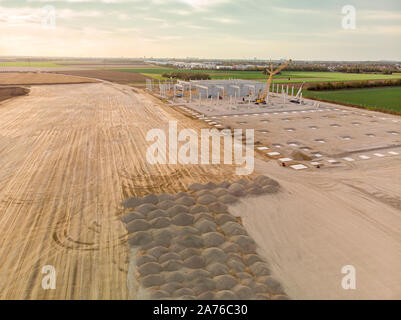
(222, 29)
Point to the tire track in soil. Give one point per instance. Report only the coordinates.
(73, 158)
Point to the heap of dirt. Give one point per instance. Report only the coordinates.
(188, 245)
(300, 156)
(10, 92)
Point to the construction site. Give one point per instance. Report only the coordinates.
(299, 133)
(79, 194)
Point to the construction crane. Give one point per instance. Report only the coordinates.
(272, 72)
(297, 98)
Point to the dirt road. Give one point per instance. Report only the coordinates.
(69, 154)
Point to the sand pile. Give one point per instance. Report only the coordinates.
(300, 156)
(188, 246)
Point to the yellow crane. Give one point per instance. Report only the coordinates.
(272, 72)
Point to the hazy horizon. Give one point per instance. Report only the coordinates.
(205, 29)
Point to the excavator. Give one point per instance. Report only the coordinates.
(263, 95)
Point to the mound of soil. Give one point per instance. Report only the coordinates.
(10, 92)
(300, 156)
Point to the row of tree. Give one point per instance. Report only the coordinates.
(345, 69)
(354, 85)
(186, 76)
(366, 69)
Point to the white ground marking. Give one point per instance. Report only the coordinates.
(332, 161)
(299, 167)
(364, 157)
(273, 154)
(349, 159)
(394, 153)
(379, 155)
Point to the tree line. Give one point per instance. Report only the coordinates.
(354, 85)
(186, 76)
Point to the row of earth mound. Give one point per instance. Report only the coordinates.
(188, 245)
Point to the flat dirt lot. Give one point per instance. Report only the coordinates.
(12, 78)
(109, 75)
(68, 161)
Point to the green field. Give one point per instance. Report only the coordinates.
(284, 77)
(376, 98)
(34, 64)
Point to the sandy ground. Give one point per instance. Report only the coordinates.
(67, 161)
(325, 220)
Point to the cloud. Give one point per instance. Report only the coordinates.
(287, 10)
(84, 1)
(154, 19)
(202, 3)
(382, 30)
(193, 26)
(222, 20)
(378, 15)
